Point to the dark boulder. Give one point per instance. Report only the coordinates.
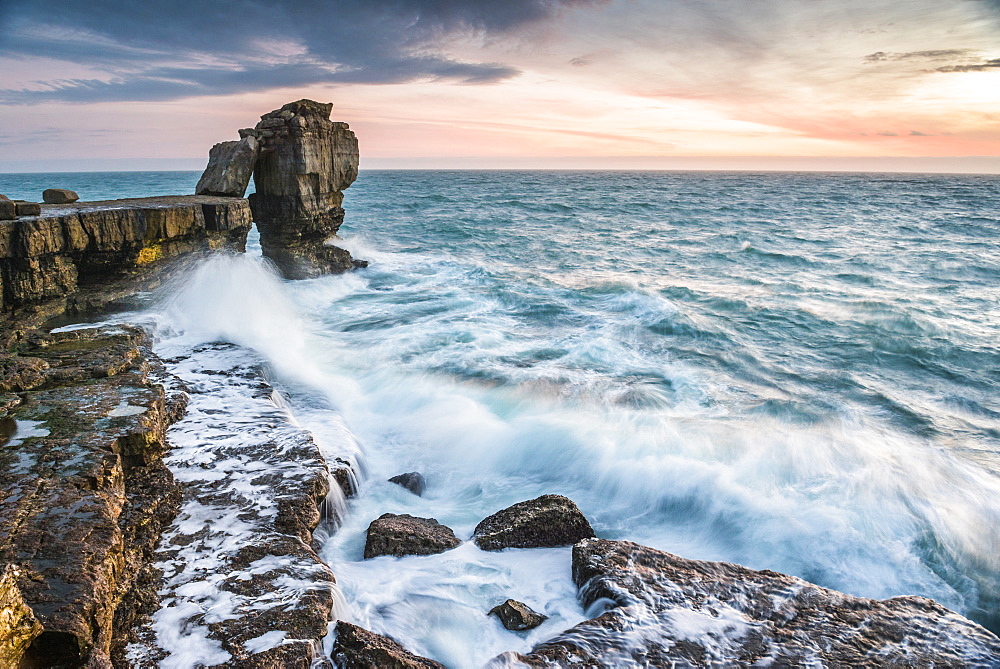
(403, 535)
(59, 196)
(357, 648)
(664, 610)
(27, 208)
(412, 481)
(8, 210)
(230, 166)
(517, 616)
(550, 520)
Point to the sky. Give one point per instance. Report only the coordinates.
(895, 85)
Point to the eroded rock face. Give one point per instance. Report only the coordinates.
(400, 535)
(357, 648)
(230, 166)
(84, 495)
(664, 610)
(547, 521)
(517, 616)
(305, 163)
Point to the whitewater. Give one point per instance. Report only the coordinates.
(796, 372)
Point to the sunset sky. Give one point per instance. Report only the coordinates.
(147, 84)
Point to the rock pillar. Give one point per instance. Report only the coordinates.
(305, 163)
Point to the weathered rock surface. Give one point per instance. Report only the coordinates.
(75, 257)
(664, 610)
(400, 535)
(549, 520)
(84, 495)
(305, 163)
(517, 616)
(59, 196)
(230, 166)
(27, 208)
(412, 481)
(357, 648)
(241, 581)
(8, 210)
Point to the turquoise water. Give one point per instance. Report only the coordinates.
(798, 372)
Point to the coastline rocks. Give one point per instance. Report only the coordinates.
(664, 610)
(357, 648)
(305, 163)
(8, 210)
(230, 166)
(517, 616)
(549, 520)
(18, 625)
(412, 481)
(59, 196)
(27, 208)
(401, 535)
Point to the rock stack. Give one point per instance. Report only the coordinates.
(301, 162)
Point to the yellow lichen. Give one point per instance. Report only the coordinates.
(149, 254)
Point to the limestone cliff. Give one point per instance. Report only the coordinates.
(306, 161)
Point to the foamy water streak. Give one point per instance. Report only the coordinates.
(818, 401)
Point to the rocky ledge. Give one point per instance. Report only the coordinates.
(665, 611)
(84, 494)
(78, 256)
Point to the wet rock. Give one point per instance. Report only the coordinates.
(19, 373)
(549, 520)
(8, 210)
(357, 648)
(401, 535)
(27, 208)
(517, 616)
(305, 163)
(59, 196)
(18, 625)
(84, 495)
(412, 481)
(663, 610)
(230, 166)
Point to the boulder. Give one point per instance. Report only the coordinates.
(59, 196)
(357, 648)
(28, 208)
(305, 163)
(230, 166)
(8, 210)
(517, 616)
(412, 481)
(550, 520)
(401, 535)
(663, 610)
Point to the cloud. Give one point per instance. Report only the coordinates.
(887, 133)
(982, 66)
(936, 54)
(917, 133)
(160, 49)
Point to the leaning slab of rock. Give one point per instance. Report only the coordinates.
(517, 616)
(412, 481)
(59, 196)
(669, 611)
(357, 648)
(230, 166)
(400, 535)
(550, 520)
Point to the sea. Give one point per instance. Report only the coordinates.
(791, 371)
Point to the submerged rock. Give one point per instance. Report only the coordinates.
(230, 166)
(59, 196)
(306, 162)
(412, 481)
(549, 520)
(401, 535)
(517, 616)
(664, 610)
(357, 648)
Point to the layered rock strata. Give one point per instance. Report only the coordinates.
(306, 161)
(78, 256)
(663, 610)
(242, 585)
(84, 495)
